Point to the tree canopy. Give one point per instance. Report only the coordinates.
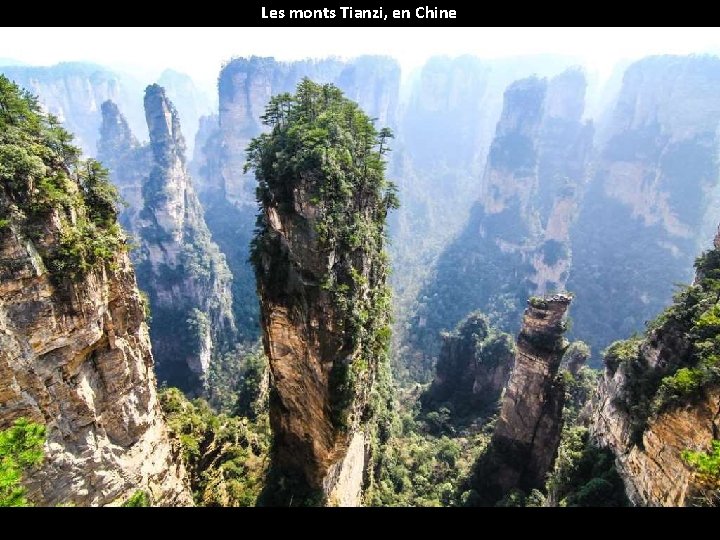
(41, 173)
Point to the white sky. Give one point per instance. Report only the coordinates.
(200, 52)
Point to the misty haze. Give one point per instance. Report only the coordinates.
(440, 278)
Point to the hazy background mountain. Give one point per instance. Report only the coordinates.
(74, 92)
(445, 115)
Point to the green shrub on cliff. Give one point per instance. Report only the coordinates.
(139, 499)
(621, 351)
(706, 468)
(226, 456)
(41, 174)
(21, 448)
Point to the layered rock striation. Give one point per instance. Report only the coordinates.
(74, 347)
(526, 436)
(84, 367)
(660, 397)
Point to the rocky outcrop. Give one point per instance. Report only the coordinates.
(318, 428)
(653, 470)
(472, 370)
(178, 264)
(654, 190)
(525, 440)
(74, 347)
(660, 396)
(84, 368)
(516, 242)
(324, 302)
(576, 356)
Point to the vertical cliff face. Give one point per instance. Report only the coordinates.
(74, 92)
(82, 365)
(526, 437)
(660, 396)
(321, 273)
(655, 177)
(472, 370)
(127, 160)
(516, 242)
(653, 471)
(191, 102)
(74, 347)
(184, 272)
(178, 264)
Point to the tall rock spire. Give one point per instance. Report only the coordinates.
(127, 161)
(526, 437)
(324, 298)
(178, 264)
